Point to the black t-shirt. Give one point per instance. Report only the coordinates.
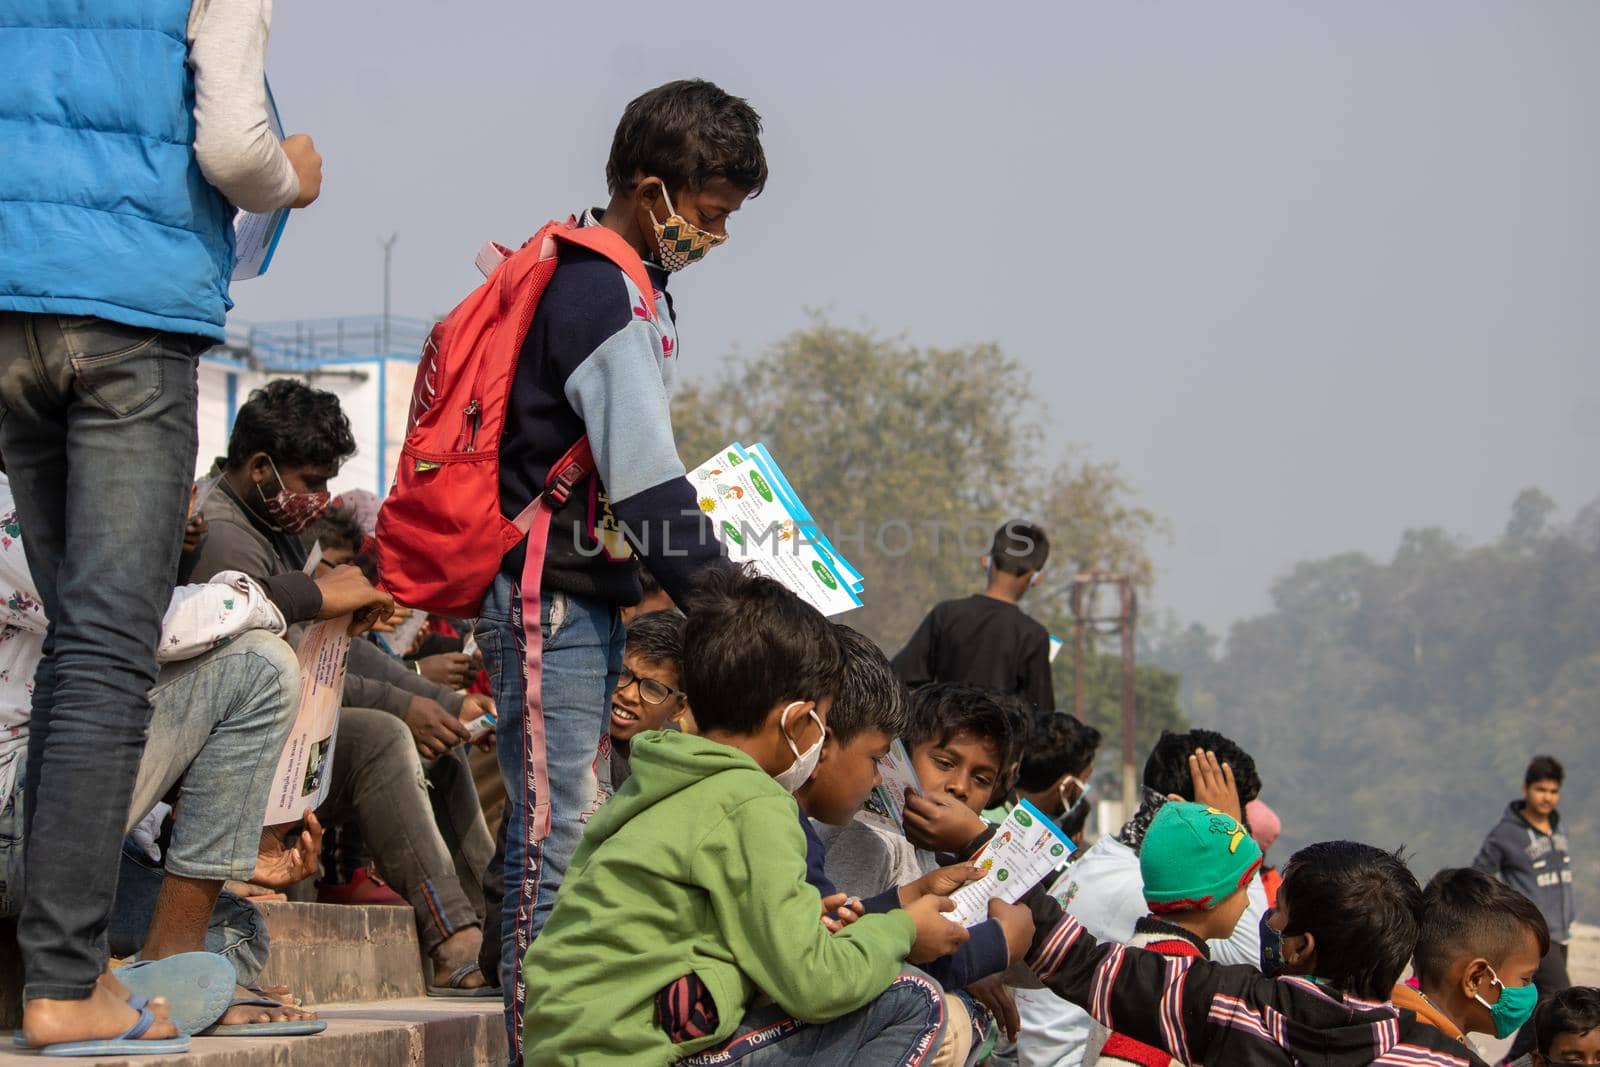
(979, 640)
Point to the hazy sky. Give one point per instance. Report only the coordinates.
(1311, 272)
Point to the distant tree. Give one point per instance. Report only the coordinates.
(910, 458)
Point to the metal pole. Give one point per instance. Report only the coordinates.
(1125, 623)
(1075, 599)
(388, 249)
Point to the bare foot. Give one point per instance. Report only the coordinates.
(102, 1014)
(461, 947)
(257, 1013)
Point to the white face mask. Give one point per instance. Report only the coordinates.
(805, 763)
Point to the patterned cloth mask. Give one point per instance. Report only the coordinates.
(292, 512)
(678, 243)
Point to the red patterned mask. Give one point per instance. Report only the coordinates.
(289, 511)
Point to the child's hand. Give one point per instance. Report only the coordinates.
(940, 883)
(940, 823)
(839, 911)
(992, 993)
(936, 936)
(1016, 920)
(1213, 783)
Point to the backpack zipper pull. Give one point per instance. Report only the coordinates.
(472, 413)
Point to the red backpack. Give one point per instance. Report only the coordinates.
(441, 535)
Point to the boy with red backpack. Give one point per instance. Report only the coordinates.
(558, 369)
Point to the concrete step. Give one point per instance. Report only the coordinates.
(331, 953)
(391, 1033)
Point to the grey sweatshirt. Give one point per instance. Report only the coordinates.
(1535, 864)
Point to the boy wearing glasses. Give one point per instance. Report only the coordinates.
(647, 696)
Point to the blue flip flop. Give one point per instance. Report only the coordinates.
(20, 1040)
(198, 986)
(129, 1043)
(283, 1028)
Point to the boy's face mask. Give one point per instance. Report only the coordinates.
(1513, 1009)
(805, 763)
(678, 242)
(289, 511)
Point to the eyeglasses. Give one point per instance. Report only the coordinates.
(651, 691)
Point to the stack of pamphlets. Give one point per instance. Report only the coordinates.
(760, 520)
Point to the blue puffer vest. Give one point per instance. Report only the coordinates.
(103, 209)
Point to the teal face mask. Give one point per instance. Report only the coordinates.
(1514, 1007)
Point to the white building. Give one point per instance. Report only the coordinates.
(371, 374)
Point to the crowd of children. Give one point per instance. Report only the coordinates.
(697, 858)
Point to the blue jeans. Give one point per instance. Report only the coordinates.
(583, 641)
(236, 931)
(97, 427)
(898, 1029)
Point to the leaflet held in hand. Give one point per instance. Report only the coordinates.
(760, 520)
(888, 799)
(301, 780)
(1025, 848)
(256, 233)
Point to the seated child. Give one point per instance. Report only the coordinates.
(1345, 926)
(1197, 863)
(687, 898)
(1055, 770)
(867, 714)
(958, 737)
(648, 694)
(1567, 1025)
(1480, 944)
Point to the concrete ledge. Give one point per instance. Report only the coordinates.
(334, 953)
(395, 1033)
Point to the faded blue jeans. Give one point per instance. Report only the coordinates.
(583, 641)
(901, 1028)
(97, 427)
(237, 932)
(219, 724)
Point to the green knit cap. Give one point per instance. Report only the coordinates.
(1194, 856)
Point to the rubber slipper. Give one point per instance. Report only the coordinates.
(128, 1043)
(20, 1040)
(452, 985)
(281, 1028)
(198, 986)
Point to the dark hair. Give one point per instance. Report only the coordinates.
(1019, 547)
(1571, 1011)
(337, 528)
(1544, 769)
(648, 582)
(657, 636)
(750, 646)
(1362, 905)
(1059, 744)
(296, 425)
(688, 133)
(944, 709)
(870, 697)
(1466, 913)
(1167, 769)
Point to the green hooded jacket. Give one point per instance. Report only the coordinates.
(697, 865)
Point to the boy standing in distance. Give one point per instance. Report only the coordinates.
(1528, 852)
(687, 899)
(134, 128)
(1477, 952)
(986, 639)
(596, 362)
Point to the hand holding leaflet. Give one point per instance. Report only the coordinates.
(256, 233)
(888, 799)
(1025, 848)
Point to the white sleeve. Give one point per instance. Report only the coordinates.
(202, 617)
(238, 151)
(1245, 944)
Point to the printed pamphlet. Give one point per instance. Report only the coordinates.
(256, 233)
(888, 799)
(301, 780)
(1025, 848)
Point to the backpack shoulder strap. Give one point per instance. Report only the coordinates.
(609, 243)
